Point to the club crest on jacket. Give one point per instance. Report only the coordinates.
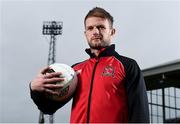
(108, 71)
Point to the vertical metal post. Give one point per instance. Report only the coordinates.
(163, 105)
(175, 102)
(151, 108)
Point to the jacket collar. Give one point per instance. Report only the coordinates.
(107, 51)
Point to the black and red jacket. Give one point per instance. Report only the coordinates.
(110, 88)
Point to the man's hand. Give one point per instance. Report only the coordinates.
(46, 82)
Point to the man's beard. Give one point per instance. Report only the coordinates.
(98, 46)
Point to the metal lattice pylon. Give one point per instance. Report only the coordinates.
(51, 28)
(52, 50)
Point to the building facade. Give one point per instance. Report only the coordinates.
(163, 88)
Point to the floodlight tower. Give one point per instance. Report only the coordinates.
(52, 28)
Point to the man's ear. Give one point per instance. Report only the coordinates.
(113, 31)
(85, 33)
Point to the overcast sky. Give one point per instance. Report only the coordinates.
(147, 30)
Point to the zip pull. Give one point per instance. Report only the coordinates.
(97, 59)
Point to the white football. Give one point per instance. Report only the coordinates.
(70, 81)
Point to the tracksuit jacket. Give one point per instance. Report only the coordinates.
(110, 88)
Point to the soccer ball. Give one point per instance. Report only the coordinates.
(70, 81)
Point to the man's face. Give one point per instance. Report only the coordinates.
(98, 32)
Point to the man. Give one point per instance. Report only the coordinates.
(111, 87)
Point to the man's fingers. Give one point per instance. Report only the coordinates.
(53, 80)
(53, 86)
(53, 74)
(78, 72)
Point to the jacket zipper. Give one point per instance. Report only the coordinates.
(90, 92)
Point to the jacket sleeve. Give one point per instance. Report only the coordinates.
(44, 104)
(136, 92)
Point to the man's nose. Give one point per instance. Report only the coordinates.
(96, 30)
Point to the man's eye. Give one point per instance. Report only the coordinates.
(90, 28)
(100, 27)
